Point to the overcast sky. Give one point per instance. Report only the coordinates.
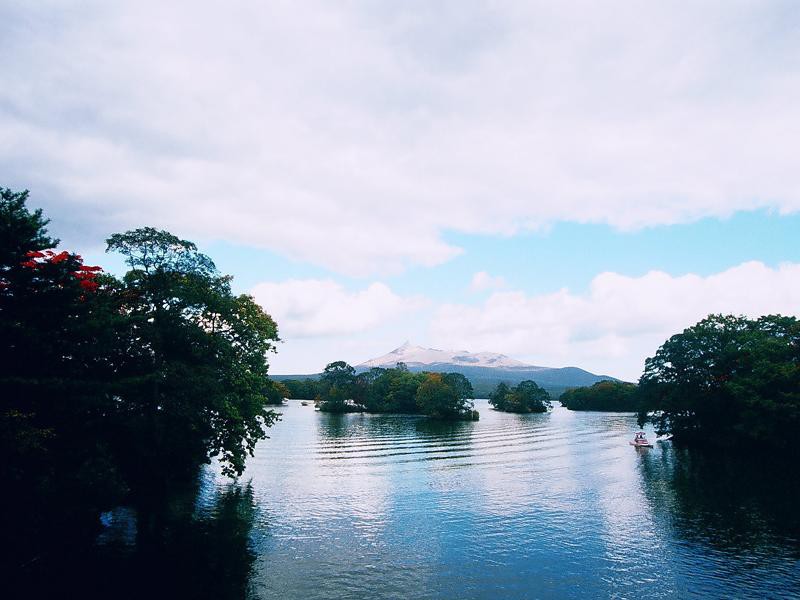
(568, 183)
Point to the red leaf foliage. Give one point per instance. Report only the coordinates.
(89, 285)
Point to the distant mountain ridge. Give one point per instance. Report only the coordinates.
(418, 356)
(484, 369)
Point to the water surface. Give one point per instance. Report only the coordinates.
(517, 506)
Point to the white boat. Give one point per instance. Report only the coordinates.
(640, 441)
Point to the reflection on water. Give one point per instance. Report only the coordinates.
(737, 506)
(516, 506)
(194, 545)
(185, 549)
(553, 505)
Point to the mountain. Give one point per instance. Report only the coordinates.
(417, 356)
(484, 369)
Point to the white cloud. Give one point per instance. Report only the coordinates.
(313, 308)
(482, 281)
(352, 135)
(620, 321)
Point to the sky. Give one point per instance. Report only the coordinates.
(567, 183)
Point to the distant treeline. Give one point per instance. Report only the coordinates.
(614, 396)
(726, 381)
(307, 387)
(302, 389)
(340, 389)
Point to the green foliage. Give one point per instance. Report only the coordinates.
(337, 386)
(445, 398)
(395, 391)
(301, 389)
(497, 398)
(197, 381)
(338, 374)
(275, 392)
(460, 384)
(727, 380)
(20, 229)
(525, 397)
(109, 387)
(157, 251)
(55, 385)
(615, 396)
(391, 390)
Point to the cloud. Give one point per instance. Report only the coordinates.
(482, 281)
(620, 321)
(314, 308)
(352, 135)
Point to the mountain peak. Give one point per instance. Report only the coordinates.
(419, 356)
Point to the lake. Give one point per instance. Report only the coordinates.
(555, 505)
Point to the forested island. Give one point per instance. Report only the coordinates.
(395, 390)
(611, 396)
(525, 397)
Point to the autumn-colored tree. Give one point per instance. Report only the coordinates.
(438, 397)
(55, 385)
(112, 388)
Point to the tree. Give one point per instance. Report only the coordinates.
(528, 397)
(372, 389)
(616, 396)
(460, 384)
(112, 387)
(727, 380)
(438, 398)
(337, 385)
(21, 230)
(275, 392)
(306, 389)
(498, 397)
(195, 388)
(395, 390)
(401, 396)
(525, 397)
(56, 326)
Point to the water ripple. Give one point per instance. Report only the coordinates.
(553, 505)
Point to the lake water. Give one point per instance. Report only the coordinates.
(514, 506)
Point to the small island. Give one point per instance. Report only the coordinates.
(606, 396)
(340, 389)
(525, 397)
